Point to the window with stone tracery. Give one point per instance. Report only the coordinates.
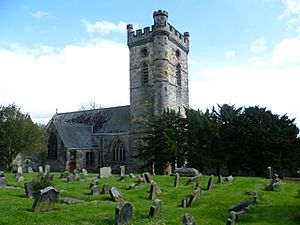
(118, 151)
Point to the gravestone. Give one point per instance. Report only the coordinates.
(116, 195)
(194, 196)
(105, 189)
(123, 214)
(122, 171)
(46, 179)
(241, 206)
(64, 174)
(188, 219)
(95, 189)
(231, 220)
(29, 170)
(84, 171)
(147, 177)
(21, 178)
(153, 168)
(20, 170)
(41, 169)
(154, 190)
(220, 179)
(229, 178)
(32, 188)
(168, 169)
(131, 175)
(176, 180)
(3, 181)
(2, 174)
(274, 185)
(47, 169)
(105, 172)
(155, 208)
(72, 200)
(131, 186)
(193, 179)
(45, 200)
(184, 202)
(187, 172)
(141, 180)
(70, 178)
(210, 183)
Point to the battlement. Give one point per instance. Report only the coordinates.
(161, 26)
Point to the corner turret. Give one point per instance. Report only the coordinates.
(160, 18)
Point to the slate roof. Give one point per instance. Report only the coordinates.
(76, 128)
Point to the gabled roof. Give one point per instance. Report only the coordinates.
(76, 128)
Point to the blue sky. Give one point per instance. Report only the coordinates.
(58, 54)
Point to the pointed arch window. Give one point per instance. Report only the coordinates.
(118, 151)
(178, 75)
(145, 73)
(52, 146)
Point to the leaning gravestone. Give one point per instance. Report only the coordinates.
(95, 189)
(220, 179)
(194, 196)
(47, 169)
(122, 171)
(154, 190)
(184, 202)
(3, 181)
(176, 180)
(45, 200)
(123, 213)
(155, 208)
(105, 189)
(147, 177)
(105, 172)
(210, 183)
(187, 219)
(32, 187)
(116, 194)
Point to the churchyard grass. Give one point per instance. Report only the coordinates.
(212, 208)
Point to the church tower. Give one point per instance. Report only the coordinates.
(158, 71)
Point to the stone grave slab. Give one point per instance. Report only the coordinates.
(154, 190)
(69, 200)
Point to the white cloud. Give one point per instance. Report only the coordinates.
(230, 54)
(258, 46)
(43, 79)
(287, 52)
(41, 14)
(104, 27)
(291, 12)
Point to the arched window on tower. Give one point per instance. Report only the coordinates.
(52, 146)
(145, 73)
(118, 151)
(178, 75)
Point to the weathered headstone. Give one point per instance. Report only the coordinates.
(153, 168)
(123, 214)
(84, 171)
(116, 194)
(155, 208)
(70, 178)
(147, 177)
(47, 169)
(122, 171)
(184, 202)
(3, 181)
(2, 174)
(187, 219)
(154, 190)
(210, 183)
(220, 179)
(270, 172)
(32, 188)
(194, 196)
(231, 219)
(29, 170)
(45, 200)
(176, 180)
(187, 172)
(105, 172)
(20, 170)
(105, 189)
(241, 206)
(41, 169)
(229, 178)
(95, 189)
(21, 178)
(168, 169)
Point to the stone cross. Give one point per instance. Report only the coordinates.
(123, 213)
(187, 219)
(116, 194)
(176, 180)
(155, 208)
(210, 183)
(45, 200)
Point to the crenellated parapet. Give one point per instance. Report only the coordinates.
(160, 27)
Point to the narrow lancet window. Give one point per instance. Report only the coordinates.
(145, 73)
(178, 75)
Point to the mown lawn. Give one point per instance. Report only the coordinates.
(281, 207)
